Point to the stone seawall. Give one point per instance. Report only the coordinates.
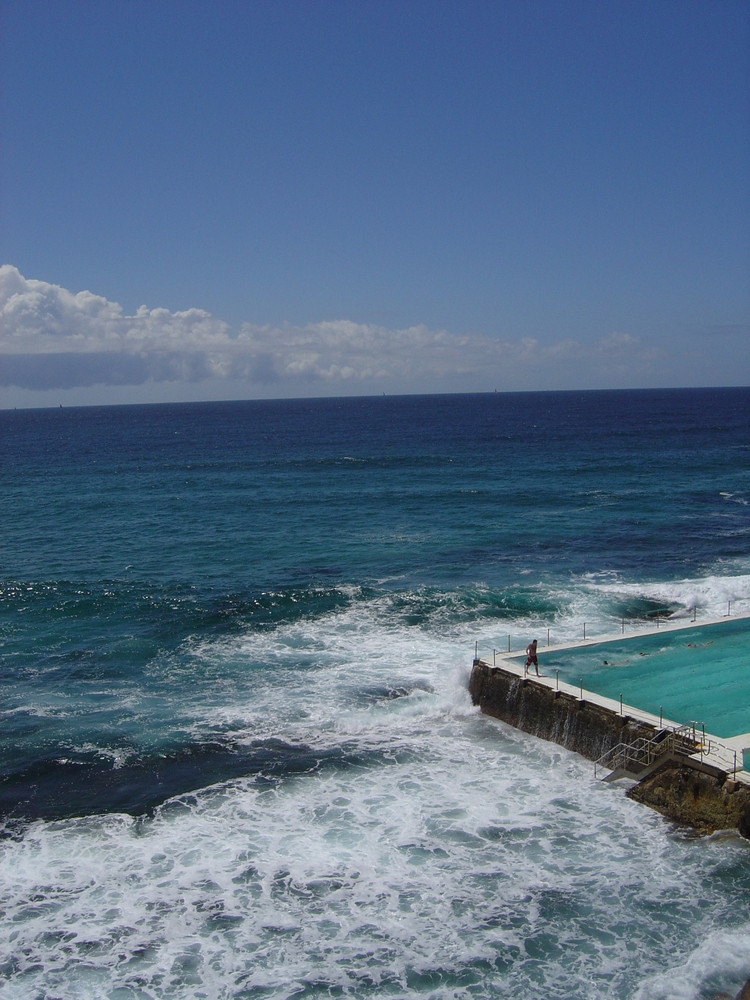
(702, 797)
(581, 726)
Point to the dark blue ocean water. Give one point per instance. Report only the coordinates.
(238, 754)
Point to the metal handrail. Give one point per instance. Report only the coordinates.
(684, 741)
(642, 752)
(660, 616)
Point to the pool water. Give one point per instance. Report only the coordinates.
(698, 674)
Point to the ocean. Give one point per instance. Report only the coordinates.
(239, 758)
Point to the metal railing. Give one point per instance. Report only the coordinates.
(656, 618)
(641, 753)
(722, 756)
(687, 741)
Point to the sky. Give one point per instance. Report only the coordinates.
(284, 198)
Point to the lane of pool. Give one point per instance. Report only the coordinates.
(695, 674)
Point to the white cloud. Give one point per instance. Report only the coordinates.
(51, 338)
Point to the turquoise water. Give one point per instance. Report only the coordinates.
(239, 759)
(699, 675)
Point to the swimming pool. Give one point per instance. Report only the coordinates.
(697, 674)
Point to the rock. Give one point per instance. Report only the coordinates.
(744, 994)
(744, 827)
(707, 802)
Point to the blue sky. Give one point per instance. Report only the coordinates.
(332, 197)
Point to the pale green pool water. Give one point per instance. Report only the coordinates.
(699, 674)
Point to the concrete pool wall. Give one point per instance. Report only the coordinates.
(670, 674)
(702, 785)
(693, 673)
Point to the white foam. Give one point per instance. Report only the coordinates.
(450, 856)
(717, 963)
(468, 842)
(710, 596)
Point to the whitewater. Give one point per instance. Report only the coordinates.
(240, 759)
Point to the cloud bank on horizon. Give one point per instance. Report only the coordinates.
(54, 339)
(356, 198)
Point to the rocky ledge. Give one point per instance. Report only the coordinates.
(707, 802)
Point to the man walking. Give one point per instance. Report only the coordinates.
(531, 658)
